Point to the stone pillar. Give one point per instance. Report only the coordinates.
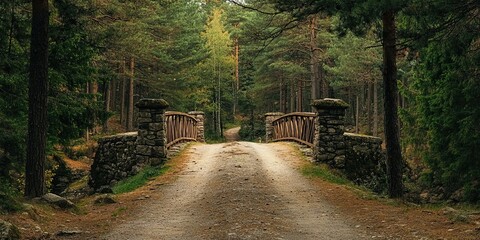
(200, 116)
(151, 144)
(269, 118)
(329, 142)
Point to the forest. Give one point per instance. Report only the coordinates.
(409, 69)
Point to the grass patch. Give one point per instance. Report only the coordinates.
(322, 171)
(118, 211)
(134, 182)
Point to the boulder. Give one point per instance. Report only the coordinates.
(8, 231)
(56, 200)
(105, 199)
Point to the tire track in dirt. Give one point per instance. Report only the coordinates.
(237, 191)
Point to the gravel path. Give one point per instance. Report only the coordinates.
(238, 190)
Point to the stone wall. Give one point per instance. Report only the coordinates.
(365, 161)
(200, 116)
(360, 157)
(114, 160)
(269, 118)
(151, 144)
(329, 144)
(124, 155)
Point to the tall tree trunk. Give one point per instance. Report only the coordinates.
(123, 89)
(369, 108)
(37, 101)
(87, 131)
(237, 76)
(130, 95)
(375, 109)
(350, 111)
(292, 96)
(300, 96)
(12, 28)
(357, 114)
(106, 94)
(394, 154)
(113, 95)
(281, 101)
(314, 78)
(325, 88)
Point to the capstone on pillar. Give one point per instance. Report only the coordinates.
(269, 118)
(151, 144)
(200, 116)
(329, 142)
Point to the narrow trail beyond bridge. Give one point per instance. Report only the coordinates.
(238, 190)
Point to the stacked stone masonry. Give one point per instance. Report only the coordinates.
(200, 117)
(124, 155)
(365, 161)
(114, 160)
(269, 118)
(360, 157)
(329, 143)
(151, 142)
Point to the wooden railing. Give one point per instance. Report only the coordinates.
(181, 127)
(297, 126)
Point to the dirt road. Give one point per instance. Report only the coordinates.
(232, 134)
(238, 190)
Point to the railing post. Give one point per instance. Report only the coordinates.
(269, 118)
(151, 144)
(329, 143)
(200, 116)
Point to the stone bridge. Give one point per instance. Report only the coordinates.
(124, 155)
(359, 157)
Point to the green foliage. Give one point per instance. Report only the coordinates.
(9, 197)
(324, 172)
(134, 182)
(448, 114)
(355, 60)
(253, 129)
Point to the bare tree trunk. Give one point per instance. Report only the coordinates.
(37, 101)
(106, 94)
(314, 78)
(130, 95)
(281, 101)
(237, 77)
(350, 110)
(325, 88)
(369, 108)
(113, 95)
(375, 109)
(300, 96)
(123, 89)
(12, 27)
(392, 135)
(357, 114)
(87, 131)
(292, 96)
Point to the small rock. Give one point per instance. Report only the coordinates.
(105, 199)
(68, 232)
(424, 196)
(449, 211)
(57, 201)
(8, 231)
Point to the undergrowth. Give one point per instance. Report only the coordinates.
(9, 198)
(134, 182)
(323, 171)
